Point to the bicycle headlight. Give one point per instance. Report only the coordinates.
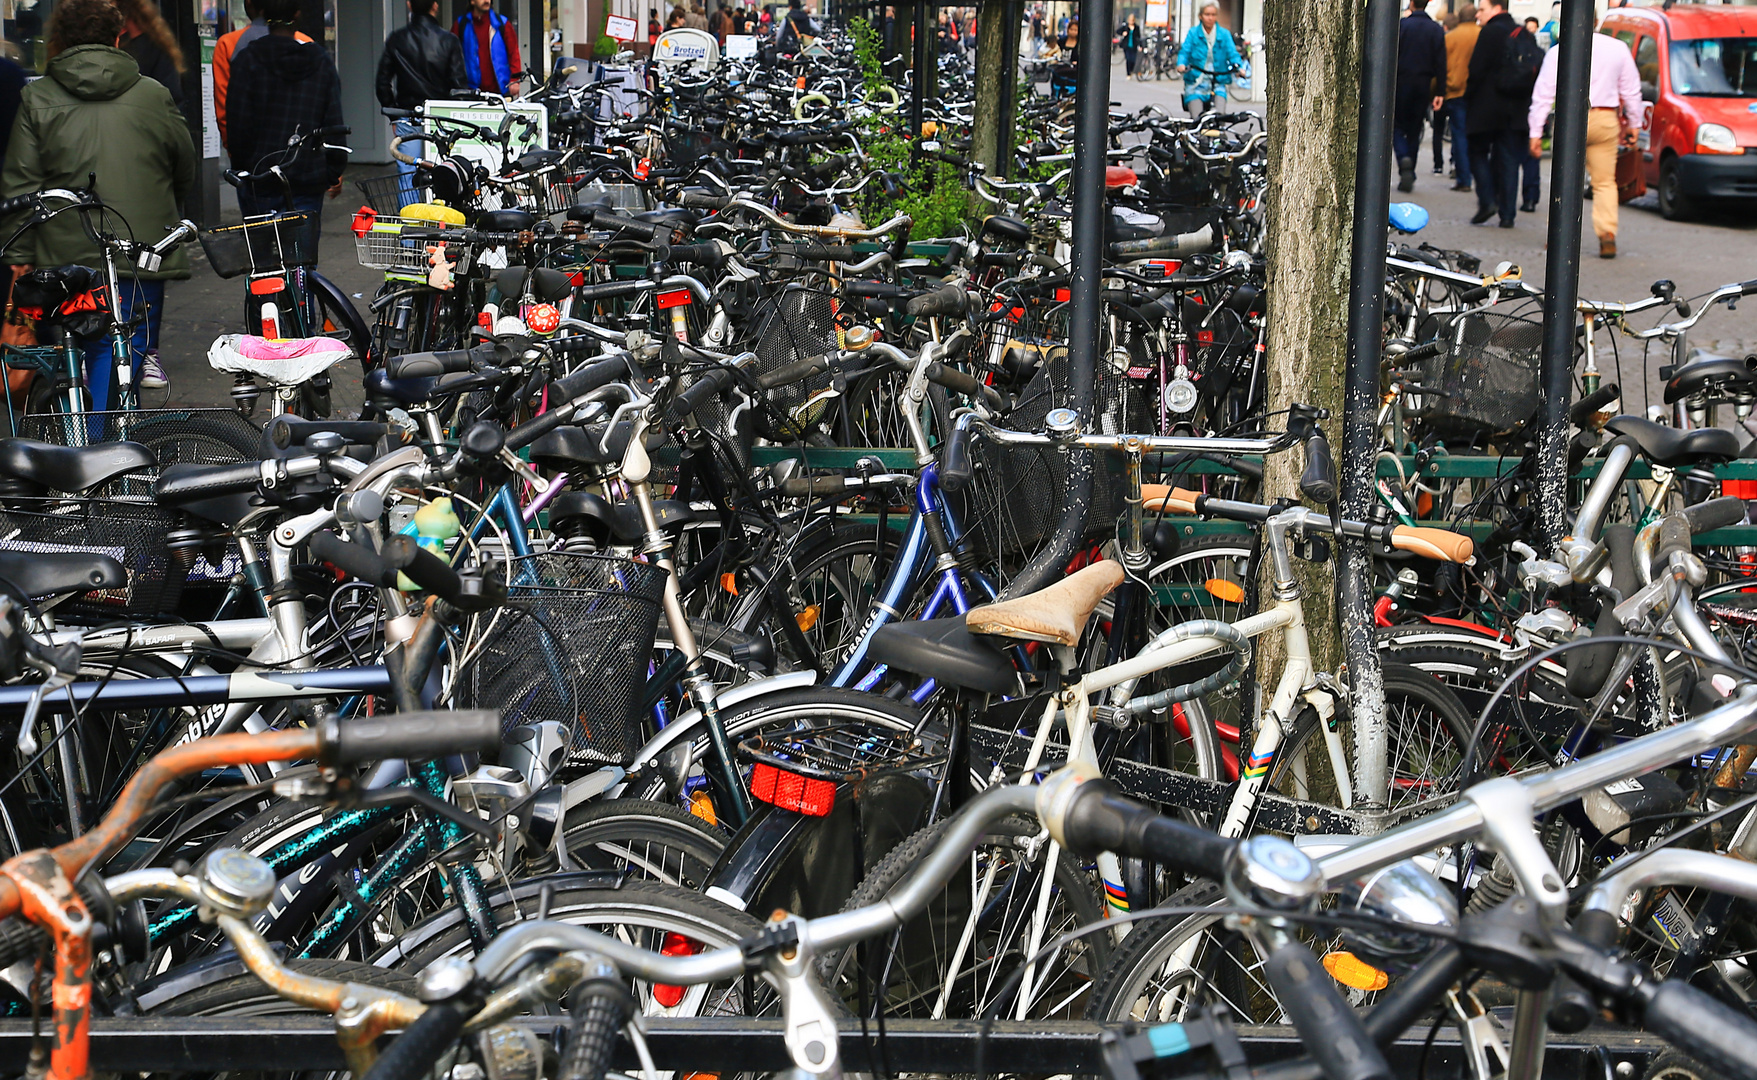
(1405, 894)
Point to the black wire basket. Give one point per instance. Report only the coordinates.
(387, 195)
(1487, 380)
(175, 436)
(133, 532)
(265, 245)
(574, 644)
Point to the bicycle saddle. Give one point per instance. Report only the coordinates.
(575, 513)
(1057, 614)
(571, 447)
(546, 284)
(946, 651)
(228, 509)
(71, 468)
(510, 220)
(1708, 371)
(381, 389)
(1671, 447)
(1006, 228)
(42, 574)
(676, 217)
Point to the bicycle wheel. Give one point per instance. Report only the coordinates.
(994, 906)
(834, 581)
(649, 840)
(1167, 967)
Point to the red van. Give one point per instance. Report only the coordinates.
(1698, 67)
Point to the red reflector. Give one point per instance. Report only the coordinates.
(268, 286)
(576, 278)
(674, 298)
(1204, 337)
(363, 219)
(1166, 266)
(1062, 296)
(813, 798)
(666, 995)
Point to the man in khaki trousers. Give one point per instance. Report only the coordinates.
(1615, 97)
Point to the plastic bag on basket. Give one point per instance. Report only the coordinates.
(287, 361)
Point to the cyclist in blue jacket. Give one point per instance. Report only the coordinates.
(1208, 47)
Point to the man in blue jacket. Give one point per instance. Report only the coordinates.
(1421, 82)
(491, 48)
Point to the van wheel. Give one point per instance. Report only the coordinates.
(1674, 205)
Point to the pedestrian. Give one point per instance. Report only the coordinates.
(796, 28)
(282, 89)
(1130, 39)
(228, 47)
(1614, 85)
(1448, 22)
(94, 115)
(1421, 85)
(653, 27)
(491, 48)
(1070, 42)
(678, 18)
(695, 18)
(421, 62)
(717, 24)
(1208, 48)
(1460, 43)
(1498, 95)
(1532, 26)
(153, 46)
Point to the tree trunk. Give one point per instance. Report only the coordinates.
(994, 21)
(1313, 62)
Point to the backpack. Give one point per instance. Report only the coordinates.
(1519, 65)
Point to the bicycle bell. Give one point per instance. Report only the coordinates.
(235, 882)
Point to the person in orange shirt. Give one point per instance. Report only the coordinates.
(228, 47)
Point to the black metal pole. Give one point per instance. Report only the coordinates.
(918, 77)
(1562, 263)
(1360, 394)
(1091, 139)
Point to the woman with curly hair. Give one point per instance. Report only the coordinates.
(153, 46)
(92, 114)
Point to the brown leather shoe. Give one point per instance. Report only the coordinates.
(1607, 247)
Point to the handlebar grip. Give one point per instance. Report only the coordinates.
(611, 222)
(424, 568)
(1718, 513)
(706, 253)
(792, 373)
(355, 560)
(419, 1048)
(1440, 544)
(611, 290)
(875, 290)
(287, 431)
(419, 364)
(584, 380)
(957, 467)
(960, 382)
(807, 487)
(945, 300)
(1582, 411)
(1171, 501)
(1318, 482)
(705, 388)
(819, 252)
(1426, 350)
(1674, 535)
(17, 203)
(597, 1024)
(1166, 247)
(1748, 288)
(417, 736)
(1471, 296)
(577, 343)
(1330, 1029)
(703, 201)
(225, 480)
(1091, 816)
(1718, 1035)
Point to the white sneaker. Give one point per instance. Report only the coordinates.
(152, 373)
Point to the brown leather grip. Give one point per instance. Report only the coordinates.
(1173, 500)
(1434, 543)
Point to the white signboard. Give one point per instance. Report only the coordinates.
(210, 124)
(687, 45)
(1158, 14)
(741, 46)
(620, 27)
(529, 129)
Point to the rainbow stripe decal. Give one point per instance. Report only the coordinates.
(1116, 896)
(1258, 765)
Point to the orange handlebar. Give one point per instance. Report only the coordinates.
(1172, 500)
(1434, 543)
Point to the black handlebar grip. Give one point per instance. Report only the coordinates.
(567, 346)
(419, 1048)
(597, 1024)
(589, 377)
(1701, 1026)
(945, 300)
(957, 467)
(1424, 351)
(1582, 411)
(1166, 247)
(1718, 513)
(224, 480)
(1748, 288)
(706, 253)
(960, 382)
(876, 290)
(417, 736)
(1099, 819)
(705, 388)
(17, 203)
(20, 939)
(805, 487)
(792, 373)
(703, 201)
(1329, 1028)
(357, 561)
(1471, 296)
(286, 431)
(1674, 535)
(423, 567)
(1572, 1008)
(420, 364)
(1318, 482)
(611, 290)
(612, 222)
(1597, 926)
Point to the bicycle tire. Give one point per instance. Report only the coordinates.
(651, 840)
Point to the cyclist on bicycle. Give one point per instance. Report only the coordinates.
(1207, 60)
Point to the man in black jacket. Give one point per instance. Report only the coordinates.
(1494, 119)
(1421, 82)
(421, 61)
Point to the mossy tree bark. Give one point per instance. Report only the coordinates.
(991, 82)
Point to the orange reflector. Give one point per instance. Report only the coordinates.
(1230, 591)
(790, 791)
(729, 582)
(1351, 971)
(703, 807)
(808, 618)
(268, 286)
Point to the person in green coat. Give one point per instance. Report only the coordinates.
(93, 114)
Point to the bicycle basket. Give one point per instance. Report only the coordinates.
(134, 533)
(387, 195)
(1488, 374)
(573, 644)
(266, 245)
(382, 247)
(199, 436)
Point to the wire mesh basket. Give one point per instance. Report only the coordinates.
(1487, 380)
(387, 195)
(573, 644)
(133, 532)
(623, 198)
(175, 436)
(382, 247)
(270, 243)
